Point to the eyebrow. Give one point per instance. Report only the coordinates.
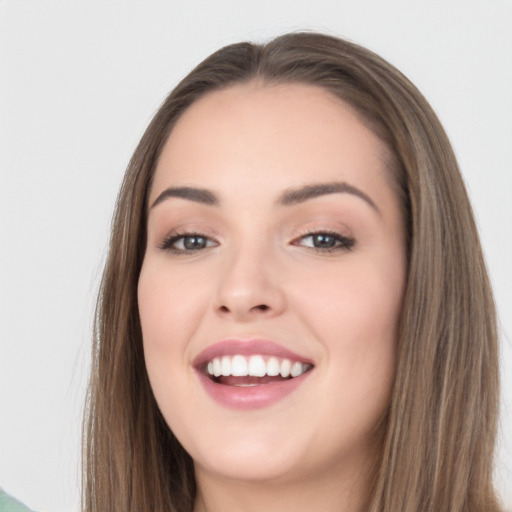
(288, 198)
(301, 194)
(198, 195)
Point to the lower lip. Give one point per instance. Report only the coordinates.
(251, 397)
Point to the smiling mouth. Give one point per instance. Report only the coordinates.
(255, 370)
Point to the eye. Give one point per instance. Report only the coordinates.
(325, 241)
(182, 243)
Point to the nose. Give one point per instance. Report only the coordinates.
(249, 287)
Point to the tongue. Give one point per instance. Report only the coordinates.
(247, 381)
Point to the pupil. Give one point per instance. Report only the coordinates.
(324, 241)
(194, 242)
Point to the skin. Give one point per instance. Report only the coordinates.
(261, 276)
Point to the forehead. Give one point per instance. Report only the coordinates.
(290, 133)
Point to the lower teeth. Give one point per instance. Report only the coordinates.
(247, 381)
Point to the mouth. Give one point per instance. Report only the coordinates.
(254, 370)
(250, 374)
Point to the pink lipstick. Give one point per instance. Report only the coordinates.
(249, 374)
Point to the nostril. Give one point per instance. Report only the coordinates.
(260, 308)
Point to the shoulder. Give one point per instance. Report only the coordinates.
(10, 504)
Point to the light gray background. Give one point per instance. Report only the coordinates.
(79, 81)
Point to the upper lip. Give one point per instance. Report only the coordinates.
(247, 347)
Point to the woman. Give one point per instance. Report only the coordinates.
(295, 312)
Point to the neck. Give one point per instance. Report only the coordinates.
(330, 492)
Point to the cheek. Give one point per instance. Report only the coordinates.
(170, 305)
(358, 302)
(355, 314)
(169, 309)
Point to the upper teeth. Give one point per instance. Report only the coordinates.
(254, 366)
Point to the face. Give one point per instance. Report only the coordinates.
(272, 284)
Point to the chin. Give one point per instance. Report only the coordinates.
(248, 468)
(249, 459)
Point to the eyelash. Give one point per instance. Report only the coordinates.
(170, 241)
(342, 243)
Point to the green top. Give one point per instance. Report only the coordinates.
(9, 504)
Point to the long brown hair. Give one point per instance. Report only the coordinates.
(441, 424)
